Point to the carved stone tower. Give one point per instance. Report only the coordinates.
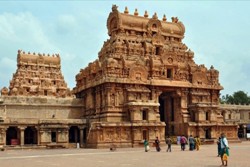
(145, 83)
(37, 75)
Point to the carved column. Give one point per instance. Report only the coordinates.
(184, 102)
(244, 131)
(21, 135)
(81, 136)
(38, 135)
(2, 136)
(108, 95)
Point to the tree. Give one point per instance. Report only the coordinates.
(239, 97)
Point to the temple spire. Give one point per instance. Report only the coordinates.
(155, 16)
(126, 10)
(164, 18)
(136, 12)
(146, 14)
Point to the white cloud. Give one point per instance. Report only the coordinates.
(20, 31)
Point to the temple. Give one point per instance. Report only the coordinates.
(144, 84)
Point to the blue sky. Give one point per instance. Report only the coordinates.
(217, 32)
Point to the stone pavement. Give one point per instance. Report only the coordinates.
(125, 157)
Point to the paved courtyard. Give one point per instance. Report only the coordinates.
(125, 157)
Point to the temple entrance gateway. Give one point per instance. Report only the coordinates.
(30, 135)
(167, 110)
(12, 136)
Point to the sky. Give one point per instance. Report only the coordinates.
(218, 32)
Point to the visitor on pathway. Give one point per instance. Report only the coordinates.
(191, 143)
(197, 143)
(157, 145)
(146, 145)
(169, 143)
(183, 142)
(218, 146)
(224, 151)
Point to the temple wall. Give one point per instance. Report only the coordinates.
(40, 108)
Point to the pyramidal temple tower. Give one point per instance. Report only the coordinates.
(145, 83)
(37, 75)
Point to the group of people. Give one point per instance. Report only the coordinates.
(194, 143)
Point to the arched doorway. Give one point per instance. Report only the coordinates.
(12, 136)
(74, 134)
(30, 135)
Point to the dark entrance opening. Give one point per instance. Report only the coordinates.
(12, 136)
(53, 137)
(241, 132)
(74, 134)
(84, 135)
(208, 133)
(167, 113)
(30, 135)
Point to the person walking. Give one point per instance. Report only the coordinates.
(183, 142)
(146, 145)
(224, 151)
(218, 146)
(191, 143)
(157, 145)
(169, 143)
(197, 143)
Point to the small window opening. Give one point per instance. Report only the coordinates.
(144, 115)
(169, 73)
(207, 116)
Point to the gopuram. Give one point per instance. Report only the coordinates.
(38, 109)
(145, 83)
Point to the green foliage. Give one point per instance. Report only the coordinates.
(239, 97)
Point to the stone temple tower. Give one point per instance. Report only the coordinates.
(37, 75)
(145, 83)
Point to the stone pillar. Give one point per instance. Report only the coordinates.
(183, 94)
(21, 135)
(244, 131)
(81, 136)
(38, 135)
(2, 136)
